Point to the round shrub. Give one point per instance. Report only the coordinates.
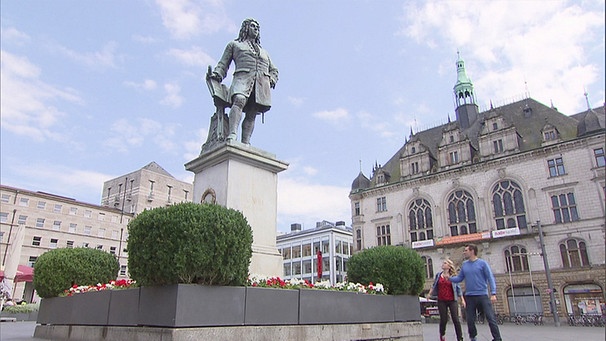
(399, 269)
(189, 243)
(59, 269)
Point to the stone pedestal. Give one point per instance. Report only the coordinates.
(244, 178)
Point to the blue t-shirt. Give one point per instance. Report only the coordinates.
(477, 275)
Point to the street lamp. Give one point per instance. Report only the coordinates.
(552, 302)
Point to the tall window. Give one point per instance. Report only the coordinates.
(556, 167)
(599, 157)
(57, 208)
(22, 220)
(40, 222)
(428, 266)
(516, 259)
(357, 208)
(383, 235)
(498, 146)
(32, 260)
(381, 204)
(420, 220)
(4, 217)
(461, 213)
(574, 253)
(24, 202)
(453, 157)
(564, 208)
(414, 168)
(358, 239)
(57, 225)
(41, 205)
(53, 243)
(508, 204)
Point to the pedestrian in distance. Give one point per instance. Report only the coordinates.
(448, 294)
(477, 276)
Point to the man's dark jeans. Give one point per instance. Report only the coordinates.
(472, 303)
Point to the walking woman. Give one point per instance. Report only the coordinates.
(448, 294)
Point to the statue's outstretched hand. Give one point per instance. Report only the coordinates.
(216, 76)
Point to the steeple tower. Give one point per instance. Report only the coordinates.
(466, 107)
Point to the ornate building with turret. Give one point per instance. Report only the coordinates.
(494, 178)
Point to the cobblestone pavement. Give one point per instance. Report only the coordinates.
(23, 331)
(526, 332)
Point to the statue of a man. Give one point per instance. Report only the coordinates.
(253, 77)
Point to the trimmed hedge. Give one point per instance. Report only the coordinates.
(59, 269)
(399, 269)
(189, 243)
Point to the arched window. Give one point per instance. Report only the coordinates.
(420, 220)
(508, 204)
(428, 266)
(461, 213)
(574, 253)
(516, 259)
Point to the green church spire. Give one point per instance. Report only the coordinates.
(463, 88)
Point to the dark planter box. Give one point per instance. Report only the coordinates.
(191, 305)
(406, 308)
(267, 306)
(91, 308)
(124, 307)
(56, 310)
(331, 307)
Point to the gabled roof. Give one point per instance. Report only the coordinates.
(156, 168)
(528, 116)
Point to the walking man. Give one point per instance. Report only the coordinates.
(477, 275)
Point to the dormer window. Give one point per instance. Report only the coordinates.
(549, 135)
(495, 126)
(451, 139)
(413, 150)
(380, 179)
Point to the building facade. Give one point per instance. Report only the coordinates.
(35, 222)
(328, 244)
(490, 178)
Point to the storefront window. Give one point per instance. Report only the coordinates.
(584, 299)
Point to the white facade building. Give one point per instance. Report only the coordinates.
(300, 251)
(489, 178)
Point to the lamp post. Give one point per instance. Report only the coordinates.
(552, 302)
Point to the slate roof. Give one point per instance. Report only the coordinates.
(528, 116)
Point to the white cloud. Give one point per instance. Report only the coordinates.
(28, 104)
(508, 43)
(11, 34)
(143, 39)
(334, 116)
(193, 147)
(147, 85)
(302, 202)
(185, 19)
(139, 133)
(192, 57)
(61, 180)
(106, 57)
(375, 124)
(297, 101)
(173, 97)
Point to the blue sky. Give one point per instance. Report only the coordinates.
(95, 89)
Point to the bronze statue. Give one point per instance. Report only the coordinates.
(249, 92)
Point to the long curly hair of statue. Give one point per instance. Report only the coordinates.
(244, 30)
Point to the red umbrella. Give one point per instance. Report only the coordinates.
(24, 274)
(319, 264)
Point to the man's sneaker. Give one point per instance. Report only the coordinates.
(442, 338)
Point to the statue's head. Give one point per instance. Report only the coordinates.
(245, 28)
